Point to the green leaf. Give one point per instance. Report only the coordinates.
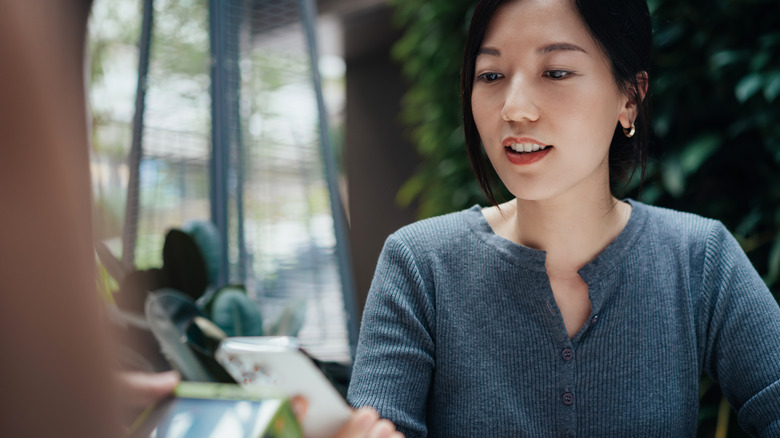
(725, 57)
(651, 194)
(772, 86)
(774, 263)
(697, 152)
(749, 222)
(747, 87)
(673, 177)
(410, 190)
(235, 313)
(669, 34)
(760, 60)
(208, 241)
(663, 122)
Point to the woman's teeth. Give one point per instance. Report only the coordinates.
(526, 147)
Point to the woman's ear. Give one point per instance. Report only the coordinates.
(643, 82)
(636, 95)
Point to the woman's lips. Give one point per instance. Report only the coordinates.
(523, 158)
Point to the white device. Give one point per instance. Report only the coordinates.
(277, 361)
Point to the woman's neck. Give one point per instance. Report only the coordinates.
(572, 231)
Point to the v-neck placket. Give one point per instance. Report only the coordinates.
(600, 275)
(597, 274)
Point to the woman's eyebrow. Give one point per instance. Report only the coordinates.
(554, 47)
(488, 51)
(550, 48)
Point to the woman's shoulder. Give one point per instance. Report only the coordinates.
(675, 221)
(439, 230)
(681, 229)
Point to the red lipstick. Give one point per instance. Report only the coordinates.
(522, 158)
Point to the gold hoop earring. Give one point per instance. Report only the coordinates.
(630, 132)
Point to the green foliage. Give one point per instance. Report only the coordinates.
(715, 87)
(235, 313)
(181, 40)
(209, 242)
(430, 51)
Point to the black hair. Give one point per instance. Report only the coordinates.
(623, 30)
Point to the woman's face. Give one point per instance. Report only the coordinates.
(543, 86)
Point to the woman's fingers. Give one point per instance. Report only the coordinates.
(141, 389)
(365, 423)
(299, 406)
(382, 429)
(359, 424)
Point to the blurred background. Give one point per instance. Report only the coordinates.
(310, 133)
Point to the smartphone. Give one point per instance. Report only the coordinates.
(276, 362)
(217, 410)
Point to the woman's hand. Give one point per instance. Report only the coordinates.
(140, 389)
(364, 422)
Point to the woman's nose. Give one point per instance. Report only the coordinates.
(519, 104)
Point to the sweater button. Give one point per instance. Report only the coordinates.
(567, 354)
(594, 320)
(568, 399)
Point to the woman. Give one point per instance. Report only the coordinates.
(565, 311)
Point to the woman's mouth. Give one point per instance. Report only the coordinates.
(526, 153)
(526, 147)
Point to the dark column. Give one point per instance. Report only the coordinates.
(130, 231)
(379, 156)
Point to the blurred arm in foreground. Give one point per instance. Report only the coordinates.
(56, 359)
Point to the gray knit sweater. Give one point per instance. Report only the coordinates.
(461, 335)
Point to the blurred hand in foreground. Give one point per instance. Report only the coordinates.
(364, 423)
(140, 389)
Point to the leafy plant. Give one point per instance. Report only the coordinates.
(430, 54)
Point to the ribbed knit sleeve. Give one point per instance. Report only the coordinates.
(741, 328)
(395, 356)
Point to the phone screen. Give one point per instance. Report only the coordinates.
(220, 415)
(199, 418)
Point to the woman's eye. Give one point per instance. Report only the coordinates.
(557, 74)
(489, 77)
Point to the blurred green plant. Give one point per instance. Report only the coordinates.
(716, 89)
(430, 55)
(716, 141)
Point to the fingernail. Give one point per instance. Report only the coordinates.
(382, 430)
(297, 410)
(366, 417)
